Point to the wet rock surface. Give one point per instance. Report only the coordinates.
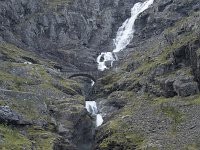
(9, 116)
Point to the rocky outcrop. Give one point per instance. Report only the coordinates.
(9, 116)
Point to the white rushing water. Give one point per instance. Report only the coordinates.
(92, 83)
(91, 107)
(99, 120)
(124, 35)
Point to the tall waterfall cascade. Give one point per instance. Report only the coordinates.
(91, 107)
(124, 36)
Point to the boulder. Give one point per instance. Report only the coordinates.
(185, 89)
(7, 115)
(167, 87)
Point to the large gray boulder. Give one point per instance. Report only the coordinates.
(7, 115)
(185, 88)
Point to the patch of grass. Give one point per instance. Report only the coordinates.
(121, 135)
(43, 140)
(193, 146)
(181, 23)
(11, 139)
(125, 140)
(13, 82)
(14, 53)
(134, 104)
(110, 79)
(161, 100)
(195, 99)
(176, 115)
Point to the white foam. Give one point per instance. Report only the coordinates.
(99, 120)
(92, 83)
(91, 107)
(106, 56)
(27, 62)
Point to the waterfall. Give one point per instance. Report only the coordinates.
(99, 120)
(91, 107)
(124, 36)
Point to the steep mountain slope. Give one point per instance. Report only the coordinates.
(40, 107)
(149, 99)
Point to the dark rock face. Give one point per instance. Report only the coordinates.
(180, 85)
(64, 31)
(9, 116)
(184, 88)
(110, 106)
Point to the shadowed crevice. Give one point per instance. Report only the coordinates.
(83, 75)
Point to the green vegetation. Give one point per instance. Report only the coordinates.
(13, 82)
(195, 99)
(193, 146)
(121, 136)
(160, 100)
(108, 80)
(174, 114)
(13, 53)
(124, 140)
(36, 138)
(11, 139)
(121, 133)
(43, 140)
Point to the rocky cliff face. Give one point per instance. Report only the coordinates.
(149, 99)
(69, 30)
